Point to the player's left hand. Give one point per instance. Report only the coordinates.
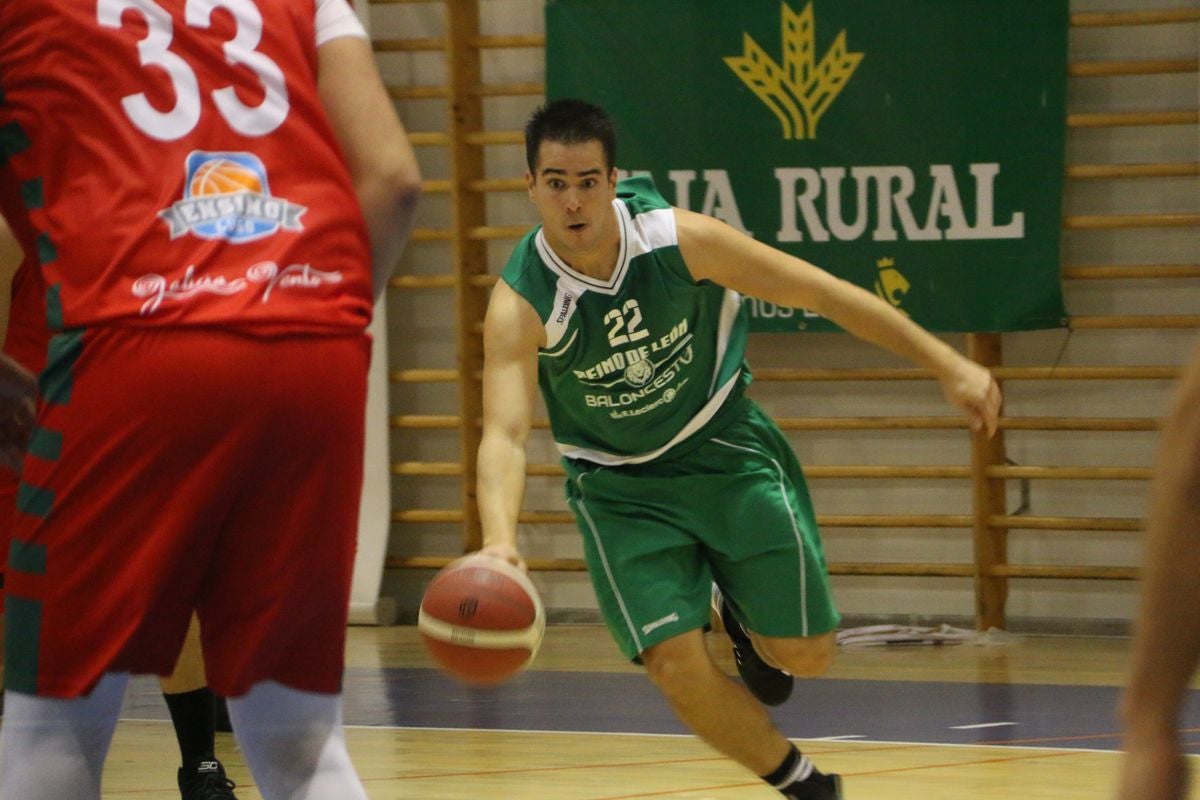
(972, 388)
(17, 411)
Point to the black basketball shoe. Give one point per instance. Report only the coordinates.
(205, 780)
(771, 686)
(818, 787)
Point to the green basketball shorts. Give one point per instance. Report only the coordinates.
(733, 510)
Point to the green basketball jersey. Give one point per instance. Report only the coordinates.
(637, 364)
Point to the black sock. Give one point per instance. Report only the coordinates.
(795, 770)
(223, 723)
(194, 715)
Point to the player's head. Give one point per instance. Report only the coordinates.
(569, 121)
(570, 146)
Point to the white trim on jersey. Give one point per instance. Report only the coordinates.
(561, 350)
(651, 230)
(566, 300)
(731, 305)
(335, 19)
(694, 424)
(642, 234)
(564, 270)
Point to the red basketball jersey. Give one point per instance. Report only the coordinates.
(168, 162)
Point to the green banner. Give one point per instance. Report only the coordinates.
(914, 147)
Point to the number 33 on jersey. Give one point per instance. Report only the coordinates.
(155, 51)
(171, 162)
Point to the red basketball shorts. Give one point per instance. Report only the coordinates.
(180, 470)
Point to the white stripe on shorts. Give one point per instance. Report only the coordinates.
(795, 526)
(583, 512)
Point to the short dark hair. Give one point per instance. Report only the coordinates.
(570, 121)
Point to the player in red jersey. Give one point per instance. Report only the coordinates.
(214, 192)
(192, 705)
(10, 261)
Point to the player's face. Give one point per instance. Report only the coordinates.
(573, 192)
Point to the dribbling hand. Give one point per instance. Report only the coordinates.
(505, 552)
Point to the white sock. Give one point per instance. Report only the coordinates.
(54, 749)
(294, 743)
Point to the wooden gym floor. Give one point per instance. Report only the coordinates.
(1030, 718)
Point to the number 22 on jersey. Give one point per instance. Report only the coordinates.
(155, 51)
(627, 318)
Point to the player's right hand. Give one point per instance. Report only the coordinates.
(505, 552)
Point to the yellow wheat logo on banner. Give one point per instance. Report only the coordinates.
(891, 285)
(801, 91)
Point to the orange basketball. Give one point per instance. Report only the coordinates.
(222, 176)
(482, 620)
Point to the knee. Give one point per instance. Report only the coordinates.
(805, 657)
(676, 671)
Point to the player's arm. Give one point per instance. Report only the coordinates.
(714, 251)
(382, 163)
(512, 333)
(1166, 645)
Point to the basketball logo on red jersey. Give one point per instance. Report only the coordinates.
(226, 196)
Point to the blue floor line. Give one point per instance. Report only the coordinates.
(1082, 717)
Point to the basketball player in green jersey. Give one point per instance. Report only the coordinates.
(627, 313)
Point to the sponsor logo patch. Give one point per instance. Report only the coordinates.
(227, 196)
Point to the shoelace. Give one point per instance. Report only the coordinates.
(214, 785)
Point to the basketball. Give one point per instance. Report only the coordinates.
(481, 620)
(222, 176)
